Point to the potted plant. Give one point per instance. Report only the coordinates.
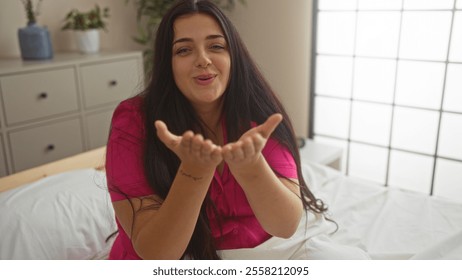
(149, 15)
(34, 40)
(86, 26)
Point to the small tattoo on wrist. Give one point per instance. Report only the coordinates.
(189, 175)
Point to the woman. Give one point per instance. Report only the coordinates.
(204, 164)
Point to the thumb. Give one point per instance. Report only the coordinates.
(270, 125)
(169, 139)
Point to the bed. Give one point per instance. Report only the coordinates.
(58, 211)
(62, 211)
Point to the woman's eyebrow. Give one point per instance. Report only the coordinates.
(209, 37)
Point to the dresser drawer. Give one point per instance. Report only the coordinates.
(98, 126)
(41, 94)
(2, 160)
(110, 82)
(39, 145)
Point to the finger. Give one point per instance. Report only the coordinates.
(227, 153)
(169, 139)
(186, 142)
(216, 153)
(237, 151)
(196, 145)
(270, 125)
(207, 148)
(248, 147)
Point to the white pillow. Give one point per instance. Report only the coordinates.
(65, 216)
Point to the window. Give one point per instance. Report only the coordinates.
(387, 88)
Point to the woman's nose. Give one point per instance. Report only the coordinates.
(203, 60)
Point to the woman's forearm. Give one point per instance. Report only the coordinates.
(165, 234)
(276, 205)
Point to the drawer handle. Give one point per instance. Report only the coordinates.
(113, 83)
(50, 147)
(43, 95)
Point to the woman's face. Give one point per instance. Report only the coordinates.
(201, 62)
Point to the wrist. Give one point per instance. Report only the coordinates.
(249, 169)
(195, 171)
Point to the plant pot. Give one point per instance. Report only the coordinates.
(34, 42)
(87, 41)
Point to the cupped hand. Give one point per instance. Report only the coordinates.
(190, 148)
(247, 150)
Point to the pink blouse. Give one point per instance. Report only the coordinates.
(125, 177)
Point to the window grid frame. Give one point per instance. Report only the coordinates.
(351, 99)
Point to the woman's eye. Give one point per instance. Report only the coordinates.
(182, 51)
(217, 47)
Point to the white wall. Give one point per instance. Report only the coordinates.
(278, 35)
(276, 32)
(121, 24)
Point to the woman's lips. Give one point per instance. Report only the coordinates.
(204, 80)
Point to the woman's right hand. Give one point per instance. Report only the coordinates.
(190, 148)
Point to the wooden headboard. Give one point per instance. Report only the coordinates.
(90, 159)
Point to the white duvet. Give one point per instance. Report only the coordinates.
(388, 223)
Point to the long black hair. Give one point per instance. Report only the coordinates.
(247, 98)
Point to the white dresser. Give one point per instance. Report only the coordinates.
(56, 108)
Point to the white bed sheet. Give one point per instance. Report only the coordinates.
(388, 223)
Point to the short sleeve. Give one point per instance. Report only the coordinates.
(280, 159)
(124, 160)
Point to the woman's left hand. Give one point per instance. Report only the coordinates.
(243, 153)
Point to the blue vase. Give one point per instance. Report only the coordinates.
(35, 42)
